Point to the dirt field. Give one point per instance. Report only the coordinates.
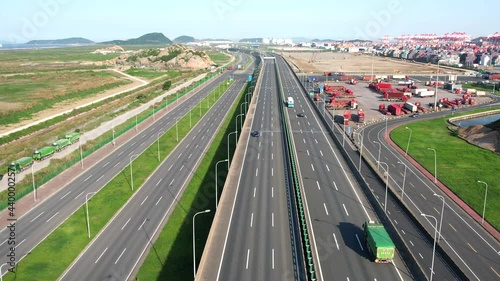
(355, 62)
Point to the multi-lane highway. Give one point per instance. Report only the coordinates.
(472, 249)
(114, 254)
(336, 206)
(258, 242)
(37, 224)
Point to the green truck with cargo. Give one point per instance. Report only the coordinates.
(378, 242)
(73, 137)
(44, 152)
(21, 164)
(61, 144)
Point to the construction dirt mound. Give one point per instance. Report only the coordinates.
(481, 136)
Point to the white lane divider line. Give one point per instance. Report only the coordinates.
(420, 255)
(251, 221)
(272, 219)
(170, 167)
(273, 259)
(144, 200)
(142, 224)
(412, 243)
(158, 200)
(345, 209)
(65, 195)
(272, 192)
(101, 255)
(116, 164)
(87, 178)
(257, 172)
(52, 216)
(125, 224)
(327, 168)
(321, 152)
(79, 195)
(106, 164)
(158, 182)
(452, 227)
(362, 249)
(121, 152)
(99, 178)
(326, 211)
(120, 256)
(308, 152)
(20, 243)
(171, 182)
(248, 257)
(335, 185)
(317, 183)
(254, 190)
(312, 167)
(37, 217)
(336, 242)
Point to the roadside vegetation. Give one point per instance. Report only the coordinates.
(148, 73)
(459, 164)
(49, 260)
(25, 95)
(482, 87)
(171, 257)
(219, 58)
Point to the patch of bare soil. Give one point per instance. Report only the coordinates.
(481, 136)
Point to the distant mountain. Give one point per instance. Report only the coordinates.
(66, 41)
(251, 40)
(359, 41)
(184, 39)
(210, 39)
(146, 39)
(324, 40)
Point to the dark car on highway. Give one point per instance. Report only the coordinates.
(300, 114)
(255, 134)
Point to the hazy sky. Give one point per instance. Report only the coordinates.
(21, 21)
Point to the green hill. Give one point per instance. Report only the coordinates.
(184, 39)
(146, 39)
(73, 40)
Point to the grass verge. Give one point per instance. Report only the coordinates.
(172, 256)
(53, 255)
(459, 164)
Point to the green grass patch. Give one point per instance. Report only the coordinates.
(171, 257)
(219, 58)
(68, 54)
(148, 73)
(459, 164)
(51, 257)
(482, 87)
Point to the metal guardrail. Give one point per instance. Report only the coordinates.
(305, 241)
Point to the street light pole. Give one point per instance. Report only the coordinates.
(33, 180)
(177, 129)
(379, 148)
(485, 195)
(216, 188)
(361, 147)
(433, 247)
(131, 171)
(194, 242)
(158, 139)
(81, 154)
(409, 138)
(87, 208)
(229, 158)
(442, 212)
(241, 122)
(435, 164)
(386, 184)
(404, 181)
(436, 93)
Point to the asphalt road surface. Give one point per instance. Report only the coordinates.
(114, 254)
(258, 243)
(337, 207)
(473, 249)
(37, 224)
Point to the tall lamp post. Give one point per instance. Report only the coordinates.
(433, 247)
(158, 140)
(435, 164)
(236, 140)
(409, 139)
(194, 242)
(132, 158)
(485, 195)
(241, 121)
(216, 187)
(87, 209)
(379, 148)
(33, 180)
(361, 147)
(386, 184)
(442, 212)
(436, 93)
(404, 181)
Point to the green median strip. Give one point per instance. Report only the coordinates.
(459, 164)
(52, 256)
(171, 257)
